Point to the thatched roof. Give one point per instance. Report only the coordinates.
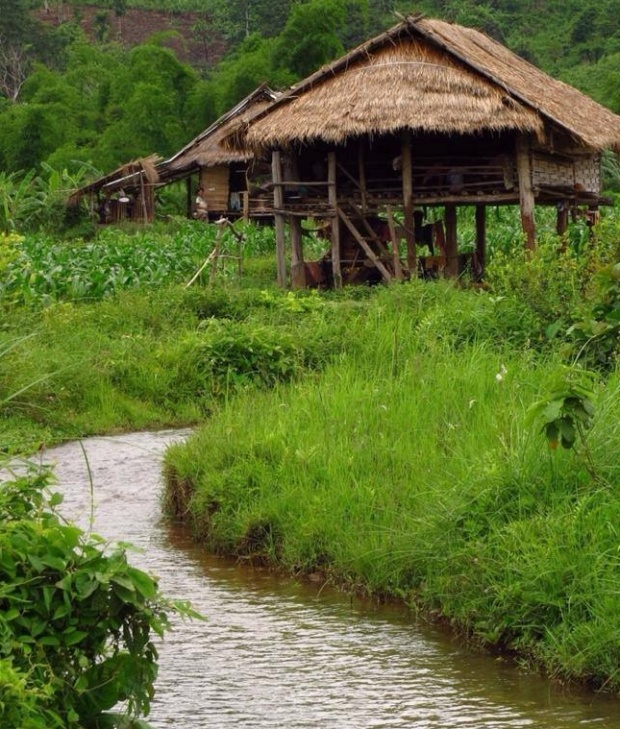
(207, 150)
(130, 175)
(429, 76)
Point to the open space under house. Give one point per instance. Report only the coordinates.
(422, 119)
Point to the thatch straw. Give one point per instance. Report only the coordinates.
(581, 116)
(428, 76)
(126, 176)
(207, 149)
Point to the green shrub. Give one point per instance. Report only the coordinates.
(76, 623)
(225, 355)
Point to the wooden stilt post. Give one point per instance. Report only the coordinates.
(407, 174)
(298, 275)
(452, 261)
(298, 278)
(561, 221)
(333, 204)
(278, 204)
(188, 196)
(481, 241)
(526, 191)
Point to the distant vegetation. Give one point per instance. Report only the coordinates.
(68, 100)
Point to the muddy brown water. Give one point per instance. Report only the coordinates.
(277, 654)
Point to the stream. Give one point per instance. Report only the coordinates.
(276, 653)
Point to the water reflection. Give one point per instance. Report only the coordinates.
(274, 653)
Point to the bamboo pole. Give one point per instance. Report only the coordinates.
(407, 177)
(526, 191)
(278, 203)
(332, 192)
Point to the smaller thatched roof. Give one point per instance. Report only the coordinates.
(207, 150)
(127, 177)
(434, 77)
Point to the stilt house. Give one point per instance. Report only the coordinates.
(126, 194)
(235, 183)
(428, 115)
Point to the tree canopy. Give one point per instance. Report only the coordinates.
(66, 97)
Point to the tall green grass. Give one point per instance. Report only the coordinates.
(409, 467)
(380, 436)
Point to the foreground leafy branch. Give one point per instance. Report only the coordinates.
(77, 622)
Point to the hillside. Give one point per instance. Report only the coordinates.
(188, 34)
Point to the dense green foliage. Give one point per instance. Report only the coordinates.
(67, 101)
(77, 622)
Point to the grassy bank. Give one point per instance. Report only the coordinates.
(412, 467)
(381, 437)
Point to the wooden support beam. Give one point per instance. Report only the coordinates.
(407, 175)
(298, 276)
(398, 269)
(452, 254)
(335, 233)
(298, 270)
(526, 191)
(278, 203)
(561, 223)
(387, 276)
(481, 238)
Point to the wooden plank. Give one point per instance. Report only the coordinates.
(526, 191)
(278, 203)
(387, 276)
(335, 232)
(407, 177)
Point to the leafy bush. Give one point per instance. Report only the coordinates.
(549, 281)
(76, 624)
(227, 355)
(596, 332)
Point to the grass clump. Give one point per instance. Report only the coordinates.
(410, 467)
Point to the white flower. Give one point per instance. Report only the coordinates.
(502, 372)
